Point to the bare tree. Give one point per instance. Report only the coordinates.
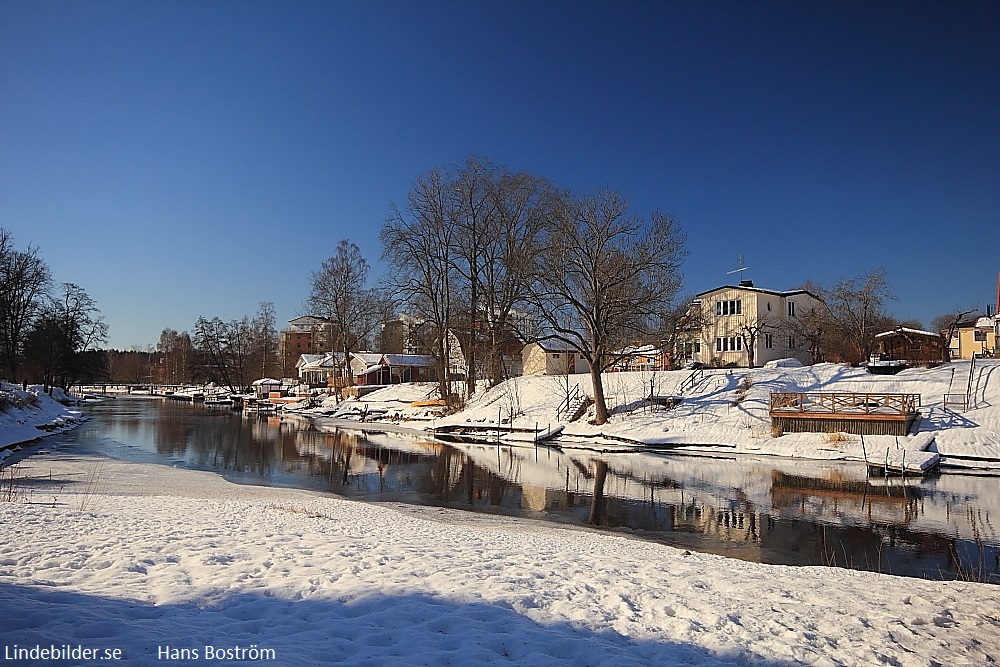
(948, 323)
(265, 340)
(857, 310)
(752, 327)
(510, 247)
(681, 320)
(24, 281)
(418, 242)
(176, 352)
(63, 344)
(811, 326)
(603, 277)
(340, 293)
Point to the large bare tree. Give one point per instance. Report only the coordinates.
(418, 242)
(24, 283)
(602, 278)
(857, 311)
(340, 293)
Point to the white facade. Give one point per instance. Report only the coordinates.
(735, 317)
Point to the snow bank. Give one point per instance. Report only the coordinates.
(728, 409)
(150, 559)
(28, 414)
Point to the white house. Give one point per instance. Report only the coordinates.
(736, 317)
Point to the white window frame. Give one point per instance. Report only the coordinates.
(726, 307)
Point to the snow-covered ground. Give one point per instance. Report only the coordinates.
(729, 409)
(163, 563)
(27, 414)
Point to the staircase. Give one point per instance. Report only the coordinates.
(573, 406)
(960, 395)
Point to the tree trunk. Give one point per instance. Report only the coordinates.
(600, 404)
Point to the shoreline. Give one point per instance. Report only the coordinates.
(319, 578)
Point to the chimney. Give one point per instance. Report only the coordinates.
(749, 283)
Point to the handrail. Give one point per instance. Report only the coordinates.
(968, 390)
(691, 380)
(567, 402)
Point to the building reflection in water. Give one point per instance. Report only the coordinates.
(780, 511)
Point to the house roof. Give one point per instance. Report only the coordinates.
(308, 359)
(555, 345)
(328, 360)
(408, 359)
(746, 288)
(367, 358)
(907, 330)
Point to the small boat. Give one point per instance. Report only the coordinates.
(219, 399)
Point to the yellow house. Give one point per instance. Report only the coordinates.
(977, 338)
(743, 319)
(552, 357)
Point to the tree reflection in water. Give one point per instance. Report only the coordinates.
(778, 511)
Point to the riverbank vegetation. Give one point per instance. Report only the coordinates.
(49, 333)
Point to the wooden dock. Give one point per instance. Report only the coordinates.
(860, 414)
(481, 432)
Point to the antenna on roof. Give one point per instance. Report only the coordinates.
(739, 271)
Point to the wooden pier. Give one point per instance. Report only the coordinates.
(487, 432)
(860, 414)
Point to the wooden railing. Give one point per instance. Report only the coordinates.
(691, 380)
(567, 403)
(848, 404)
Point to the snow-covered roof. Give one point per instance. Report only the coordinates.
(408, 359)
(368, 358)
(908, 330)
(555, 345)
(267, 381)
(308, 359)
(749, 288)
(984, 323)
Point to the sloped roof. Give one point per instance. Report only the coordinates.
(555, 345)
(308, 359)
(408, 359)
(907, 330)
(746, 288)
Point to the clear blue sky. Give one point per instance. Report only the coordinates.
(179, 159)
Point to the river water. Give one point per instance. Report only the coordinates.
(772, 511)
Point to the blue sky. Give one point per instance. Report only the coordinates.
(179, 159)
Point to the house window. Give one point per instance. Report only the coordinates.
(555, 355)
(730, 307)
(768, 340)
(791, 343)
(791, 309)
(728, 344)
(979, 335)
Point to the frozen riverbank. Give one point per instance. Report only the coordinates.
(137, 557)
(29, 413)
(728, 410)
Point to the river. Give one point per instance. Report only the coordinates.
(764, 510)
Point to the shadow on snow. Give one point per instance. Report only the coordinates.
(375, 629)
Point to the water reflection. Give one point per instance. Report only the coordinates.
(768, 511)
